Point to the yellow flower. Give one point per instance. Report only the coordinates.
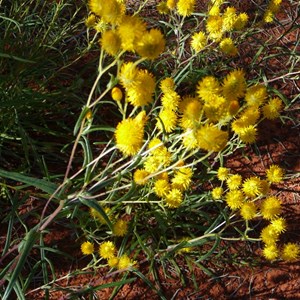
(234, 181)
(250, 115)
(217, 193)
(229, 19)
(208, 87)
(248, 134)
(268, 16)
(129, 136)
(141, 93)
(191, 113)
(87, 248)
(110, 42)
(227, 46)
(271, 208)
(271, 252)
(128, 75)
(214, 11)
(161, 187)
(155, 145)
(170, 100)
(171, 4)
(214, 26)
(185, 7)
(234, 199)
(256, 95)
(110, 12)
(252, 187)
(198, 41)
(234, 85)
(167, 85)
(162, 8)
(113, 261)
(278, 225)
(151, 44)
(107, 249)
(269, 236)
(223, 173)
(174, 198)
(167, 120)
(248, 211)
(272, 109)
(182, 179)
(139, 177)
(131, 30)
(125, 262)
(241, 21)
(290, 252)
(90, 21)
(216, 109)
(274, 174)
(211, 138)
(116, 94)
(120, 228)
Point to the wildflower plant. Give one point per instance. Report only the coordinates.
(178, 106)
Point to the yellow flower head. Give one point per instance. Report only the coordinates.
(141, 92)
(234, 181)
(90, 21)
(290, 252)
(278, 225)
(248, 211)
(185, 7)
(110, 12)
(272, 109)
(139, 177)
(234, 85)
(120, 228)
(128, 75)
(248, 134)
(182, 179)
(234, 199)
(191, 113)
(214, 11)
(151, 44)
(113, 261)
(87, 248)
(268, 16)
(217, 193)
(250, 116)
(161, 187)
(167, 120)
(216, 109)
(129, 136)
(223, 173)
(270, 208)
(256, 95)
(110, 42)
(269, 236)
(275, 174)
(125, 262)
(252, 187)
(162, 8)
(167, 85)
(229, 19)
(174, 198)
(211, 138)
(241, 21)
(107, 249)
(116, 94)
(214, 26)
(95, 214)
(131, 30)
(198, 41)
(156, 145)
(170, 100)
(227, 46)
(271, 252)
(208, 87)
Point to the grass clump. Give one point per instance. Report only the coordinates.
(148, 183)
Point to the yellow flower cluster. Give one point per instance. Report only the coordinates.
(272, 9)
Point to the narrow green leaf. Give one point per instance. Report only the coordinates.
(44, 185)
